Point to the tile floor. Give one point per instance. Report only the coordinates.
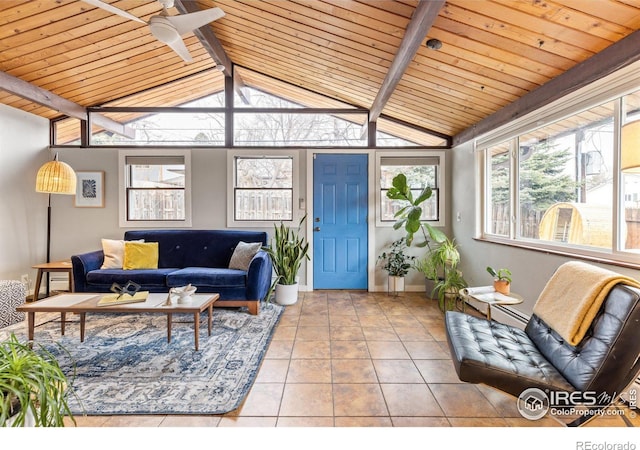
(358, 359)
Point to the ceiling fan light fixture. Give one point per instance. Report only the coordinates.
(219, 67)
(434, 44)
(163, 30)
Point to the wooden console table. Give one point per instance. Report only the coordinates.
(56, 266)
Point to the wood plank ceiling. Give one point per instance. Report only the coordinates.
(493, 51)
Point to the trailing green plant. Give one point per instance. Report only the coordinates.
(31, 381)
(448, 289)
(408, 217)
(426, 266)
(395, 261)
(287, 251)
(500, 274)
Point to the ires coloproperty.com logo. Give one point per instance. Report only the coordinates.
(534, 403)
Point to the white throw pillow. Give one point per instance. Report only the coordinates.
(113, 253)
(243, 254)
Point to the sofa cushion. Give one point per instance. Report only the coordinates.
(205, 276)
(243, 254)
(140, 255)
(145, 277)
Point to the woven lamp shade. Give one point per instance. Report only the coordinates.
(56, 177)
(630, 147)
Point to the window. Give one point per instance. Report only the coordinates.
(568, 183)
(155, 189)
(422, 169)
(262, 187)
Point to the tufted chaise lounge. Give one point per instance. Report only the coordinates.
(513, 360)
(198, 257)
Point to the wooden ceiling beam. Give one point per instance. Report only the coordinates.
(207, 37)
(214, 47)
(421, 21)
(36, 94)
(612, 58)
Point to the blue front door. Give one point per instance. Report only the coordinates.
(340, 201)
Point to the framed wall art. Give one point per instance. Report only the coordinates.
(90, 190)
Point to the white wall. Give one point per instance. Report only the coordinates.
(24, 140)
(531, 269)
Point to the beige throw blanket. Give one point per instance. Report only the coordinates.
(573, 296)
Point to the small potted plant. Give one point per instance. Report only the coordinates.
(501, 280)
(397, 264)
(33, 387)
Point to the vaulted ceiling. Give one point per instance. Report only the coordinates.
(493, 53)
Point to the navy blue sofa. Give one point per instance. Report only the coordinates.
(199, 257)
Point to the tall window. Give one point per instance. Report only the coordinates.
(422, 169)
(154, 190)
(570, 183)
(261, 188)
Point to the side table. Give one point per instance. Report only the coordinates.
(56, 266)
(491, 298)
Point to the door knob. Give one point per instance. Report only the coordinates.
(316, 229)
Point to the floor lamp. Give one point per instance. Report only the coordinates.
(54, 177)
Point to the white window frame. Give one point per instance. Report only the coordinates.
(231, 182)
(122, 179)
(613, 87)
(441, 178)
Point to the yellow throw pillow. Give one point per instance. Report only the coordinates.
(140, 255)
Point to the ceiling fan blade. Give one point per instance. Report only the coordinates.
(181, 49)
(113, 10)
(185, 23)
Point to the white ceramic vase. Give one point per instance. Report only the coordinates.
(286, 294)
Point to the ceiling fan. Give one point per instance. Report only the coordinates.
(169, 29)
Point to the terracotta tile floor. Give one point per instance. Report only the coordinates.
(358, 359)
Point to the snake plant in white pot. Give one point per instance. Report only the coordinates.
(287, 251)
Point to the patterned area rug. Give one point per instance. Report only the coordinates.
(126, 366)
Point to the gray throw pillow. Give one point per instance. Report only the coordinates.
(243, 254)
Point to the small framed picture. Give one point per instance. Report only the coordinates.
(90, 190)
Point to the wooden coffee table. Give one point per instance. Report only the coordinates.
(83, 303)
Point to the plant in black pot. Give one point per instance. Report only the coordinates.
(33, 387)
(397, 264)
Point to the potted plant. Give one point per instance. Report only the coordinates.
(428, 267)
(448, 289)
(33, 388)
(287, 251)
(447, 257)
(501, 280)
(397, 264)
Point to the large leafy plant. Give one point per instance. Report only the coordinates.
(31, 382)
(408, 217)
(287, 251)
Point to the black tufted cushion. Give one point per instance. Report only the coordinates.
(498, 355)
(513, 360)
(608, 350)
